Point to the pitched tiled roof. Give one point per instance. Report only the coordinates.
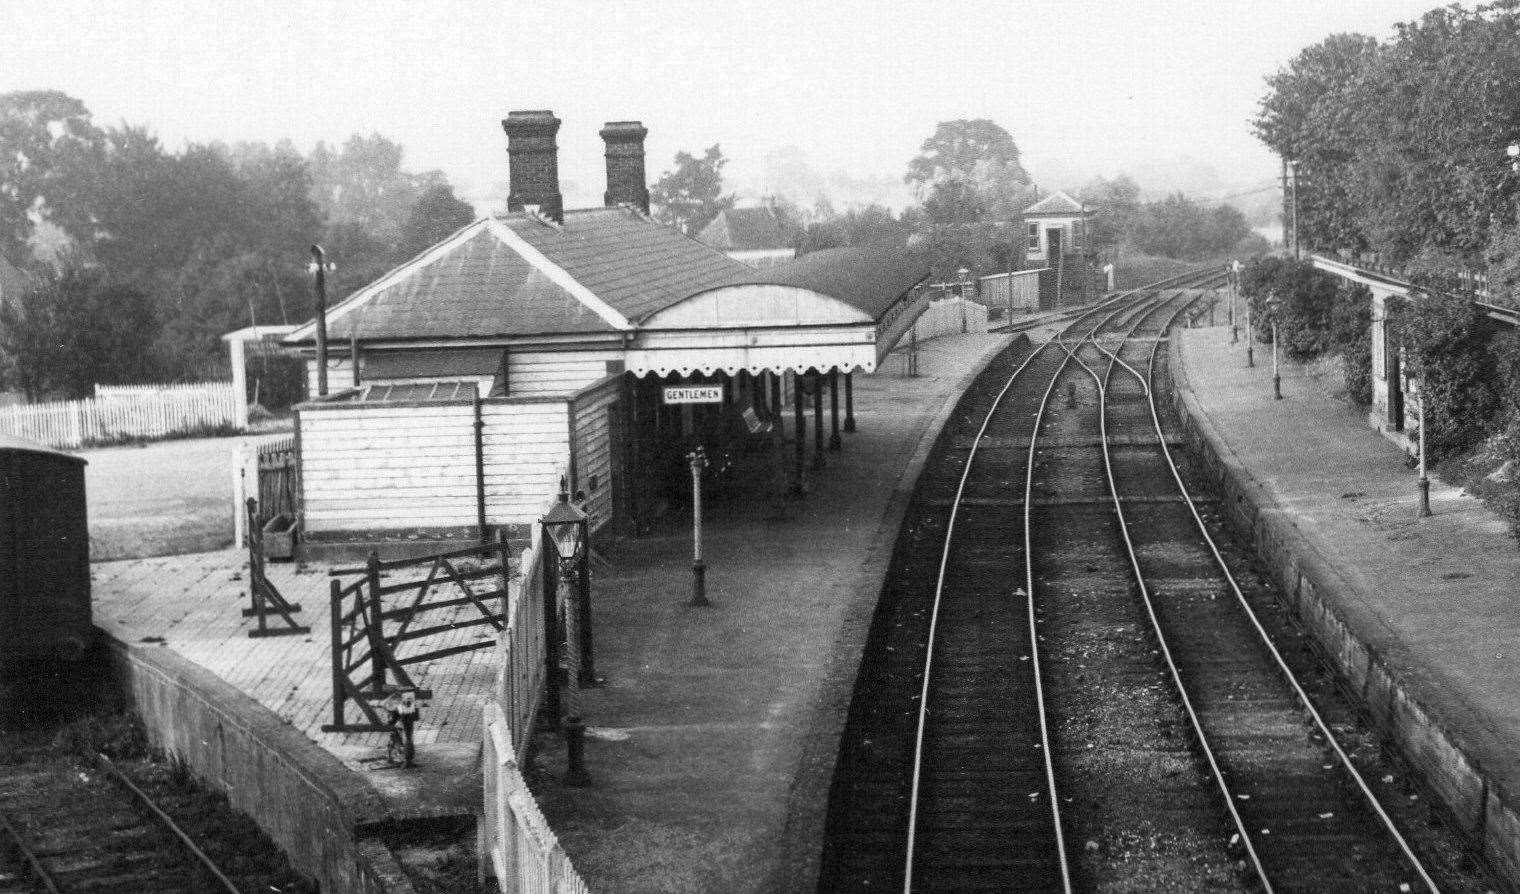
(634, 264)
(867, 277)
(745, 229)
(601, 271)
(1056, 203)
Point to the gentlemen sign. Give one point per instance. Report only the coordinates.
(694, 394)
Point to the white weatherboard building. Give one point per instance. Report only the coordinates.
(535, 346)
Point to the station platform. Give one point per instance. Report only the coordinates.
(1426, 602)
(711, 742)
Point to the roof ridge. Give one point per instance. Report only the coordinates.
(391, 277)
(557, 274)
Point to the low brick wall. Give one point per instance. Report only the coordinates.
(308, 802)
(1319, 593)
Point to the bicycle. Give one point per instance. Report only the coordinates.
(402, 714)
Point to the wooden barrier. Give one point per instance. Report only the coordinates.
(374, 631)
(519, 849)
(123, 414)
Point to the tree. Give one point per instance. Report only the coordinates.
(971, 187)
(690, 195)
(435, 214)
(77, 327)
(364, 183)
(45, 137)
(1114, 205)
(982, 157)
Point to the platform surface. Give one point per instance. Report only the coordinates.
(709, 715)
(193, 605)
(1434, 595)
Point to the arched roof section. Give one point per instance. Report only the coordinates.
(837, 286)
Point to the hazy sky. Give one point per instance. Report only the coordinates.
(1085, 86)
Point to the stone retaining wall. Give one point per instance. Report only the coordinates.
(304, 798)
(1319, 593)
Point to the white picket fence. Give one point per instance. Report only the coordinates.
(123, 413)
(518, 847)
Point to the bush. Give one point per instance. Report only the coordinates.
(1449, 353)
(1298, 297)
(1351, 336)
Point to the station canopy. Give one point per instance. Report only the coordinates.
(841, 308)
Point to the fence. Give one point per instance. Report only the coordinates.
(279, 480)
(379, 629)
(1014, 293)
(120, 413)
(946, 316)
(522, 852)
(519, 848)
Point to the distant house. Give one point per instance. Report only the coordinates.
(1056, 225)
(756, 236)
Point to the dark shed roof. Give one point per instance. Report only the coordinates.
(13, 444)
(868, 277)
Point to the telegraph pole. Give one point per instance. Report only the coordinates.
(319, 264)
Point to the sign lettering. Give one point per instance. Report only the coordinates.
(694, 394)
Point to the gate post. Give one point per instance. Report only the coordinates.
(376, 626)
(339, 692)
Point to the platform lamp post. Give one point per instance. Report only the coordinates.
(698, 460)
(320, 266)
(960, 289)
(1424, 478)
(1250, 339)
(565, 531)
(1273, 305)
(1234, 291)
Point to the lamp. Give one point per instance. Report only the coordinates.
(565, 528)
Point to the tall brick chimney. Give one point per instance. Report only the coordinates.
(533, 163)
(625, 164)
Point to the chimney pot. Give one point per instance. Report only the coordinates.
(625, 164)
(533, 166)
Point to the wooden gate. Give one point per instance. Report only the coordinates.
(279, 485)
(379, 628)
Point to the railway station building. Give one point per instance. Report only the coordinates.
(596, 347)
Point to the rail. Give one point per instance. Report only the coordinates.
(143, 800)
(1277, 657)
(28, 855)
(1147, 383)
(1113, 306)
(1194, 722)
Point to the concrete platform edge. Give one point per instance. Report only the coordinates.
(301, 796)
(807, 808)
(1421, 718)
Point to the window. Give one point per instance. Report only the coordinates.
(1034, 237)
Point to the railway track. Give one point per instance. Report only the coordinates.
(1132, 725)
(65, 827)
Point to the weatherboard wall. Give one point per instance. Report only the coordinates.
(391, 468)
(563, 373)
